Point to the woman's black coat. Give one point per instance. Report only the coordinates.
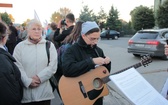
(10, 80)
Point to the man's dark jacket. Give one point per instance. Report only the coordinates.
(58, 38)
(11, 89)
(77, 60)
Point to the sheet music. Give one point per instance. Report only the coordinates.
(164, 89)
(137, 89)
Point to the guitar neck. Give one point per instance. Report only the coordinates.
(107, 79)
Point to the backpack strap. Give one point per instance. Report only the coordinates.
(48, 43)
(52, 80)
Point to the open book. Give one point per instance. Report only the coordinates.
(137, 89)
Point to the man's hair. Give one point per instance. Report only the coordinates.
(10, 23)
(71, 17)
(53, 25)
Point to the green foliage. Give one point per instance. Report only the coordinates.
(87, 15)
(162, 15)
(25, 22)
(5, 17)
(127, 29)
(142, 18)
(102, 16)
(113, 21)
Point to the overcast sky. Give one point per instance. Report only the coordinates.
(24, 9)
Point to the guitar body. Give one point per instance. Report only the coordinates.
(84, 89)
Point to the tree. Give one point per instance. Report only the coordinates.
(142, 18)
(11, 18)
(87, 15)
(113, 21)
(61, 14)
(64, 11)
(5, 17)
(25, 22)
(162, 15)
(56, 17)
(126, 28)
(102, 16)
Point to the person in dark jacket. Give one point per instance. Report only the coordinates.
(85, 55)
(12, 40)
(10, 77)
(108, 33)
(69, 24)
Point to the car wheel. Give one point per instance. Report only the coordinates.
(116, 37)
(136, 55)
(164, 57)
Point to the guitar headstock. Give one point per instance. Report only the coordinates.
(145, 60)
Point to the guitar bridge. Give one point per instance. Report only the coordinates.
(82, 89)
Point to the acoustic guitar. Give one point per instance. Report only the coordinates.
(87, 88)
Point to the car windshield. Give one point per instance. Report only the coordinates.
(146, 35)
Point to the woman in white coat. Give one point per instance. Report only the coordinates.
(32, 61)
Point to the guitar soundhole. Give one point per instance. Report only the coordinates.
(97, 83)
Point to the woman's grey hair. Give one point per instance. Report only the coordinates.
(33, 21)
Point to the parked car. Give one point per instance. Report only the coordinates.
(148, 42)
(113, 34)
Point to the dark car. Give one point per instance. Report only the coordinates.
(113, 34)
(148, 42)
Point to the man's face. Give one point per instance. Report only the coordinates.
(67, 22)
(91, 39)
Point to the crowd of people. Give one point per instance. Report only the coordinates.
(26, 68)
(25, 71)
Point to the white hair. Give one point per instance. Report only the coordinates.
(33, 21)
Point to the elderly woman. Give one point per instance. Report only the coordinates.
(32, 60)
(11, 87)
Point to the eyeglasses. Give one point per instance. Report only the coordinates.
(37, 29)
(93, 39)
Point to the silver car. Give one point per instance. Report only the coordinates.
(148, 42)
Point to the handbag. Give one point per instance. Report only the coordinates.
(53, 80)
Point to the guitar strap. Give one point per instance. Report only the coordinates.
(97, 52)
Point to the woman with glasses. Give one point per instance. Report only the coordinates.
(85, 55)
(11, 87)
(32, 60)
